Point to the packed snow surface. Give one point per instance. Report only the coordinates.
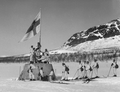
(10, 73)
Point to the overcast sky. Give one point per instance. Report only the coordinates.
(60, 20)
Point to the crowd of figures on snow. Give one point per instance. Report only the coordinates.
(86, 66)
(86, 69)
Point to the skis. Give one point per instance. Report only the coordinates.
(59, 82)
(63, 81)
(87, 80)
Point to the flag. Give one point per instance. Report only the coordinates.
(33, 29)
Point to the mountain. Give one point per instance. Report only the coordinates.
(100, 37)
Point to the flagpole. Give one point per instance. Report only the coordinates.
(40, 27)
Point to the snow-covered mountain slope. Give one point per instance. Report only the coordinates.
(97, 37)
(111, 43)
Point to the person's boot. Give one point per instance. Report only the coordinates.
(76, 78)
(81, 78)
(114, 75)
(97, 77)
(66, 80)
(30, 79)
(63, 79)
(33, 79)
(86, 77)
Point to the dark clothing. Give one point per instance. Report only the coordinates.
(90, 68)
(67, 69)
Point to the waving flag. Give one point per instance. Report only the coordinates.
(33, 29)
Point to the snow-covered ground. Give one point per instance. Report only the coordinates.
(9, 73)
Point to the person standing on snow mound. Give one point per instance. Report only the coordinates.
(31, 53)
(33, 56)
(38, 52)
(65, 72)
(46, 57)
(38, 46)
(115, 66)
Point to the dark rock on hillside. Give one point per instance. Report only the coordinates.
(107, 30)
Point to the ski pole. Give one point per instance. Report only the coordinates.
(19, 72)
(92, 72)
(109, 71)
(75, 73)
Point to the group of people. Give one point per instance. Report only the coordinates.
(86, 70)
(40, 75)
(37, 56)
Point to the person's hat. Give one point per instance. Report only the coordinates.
(39, 44)
(41, 68)
(95, 60)
(79, 61)
(31, 62)
(46, 50)
(31, 46)
(87, 62)
(63, 63)
(113, 60)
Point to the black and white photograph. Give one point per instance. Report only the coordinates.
(59, 45)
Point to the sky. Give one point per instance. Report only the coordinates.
(59, 21)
